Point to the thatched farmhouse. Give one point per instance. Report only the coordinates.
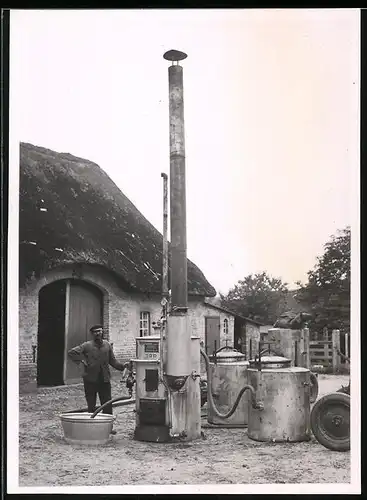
(86, 256)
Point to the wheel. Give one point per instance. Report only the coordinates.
(314, 390)
(330, 421)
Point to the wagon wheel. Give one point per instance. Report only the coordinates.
(314, 389)
(330, 421)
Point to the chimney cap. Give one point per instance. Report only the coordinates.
(174, 55)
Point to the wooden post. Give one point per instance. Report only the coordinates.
(67, 322)
(336, 348)
(305, 338)
(346, 344)
(302, 348)
(325, 333)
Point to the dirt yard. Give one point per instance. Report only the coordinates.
(222, 456)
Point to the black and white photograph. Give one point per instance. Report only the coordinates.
(183, 251)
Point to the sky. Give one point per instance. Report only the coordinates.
(271, 121)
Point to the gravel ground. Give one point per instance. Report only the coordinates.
(222, 456)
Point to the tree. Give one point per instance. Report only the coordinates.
(327, 292)
(257, 296)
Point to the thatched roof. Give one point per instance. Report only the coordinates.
(72, 212)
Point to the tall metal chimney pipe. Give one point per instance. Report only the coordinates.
(178, 335)
(177, 182)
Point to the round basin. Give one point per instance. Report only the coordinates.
(79, 428)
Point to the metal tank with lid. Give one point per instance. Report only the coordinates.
(285, 394)
(229, 374)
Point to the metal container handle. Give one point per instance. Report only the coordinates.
(228, 347)
(263, 351)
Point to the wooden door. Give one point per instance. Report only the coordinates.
(84, 304)
(212, 334)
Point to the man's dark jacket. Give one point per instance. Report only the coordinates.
(96, 358)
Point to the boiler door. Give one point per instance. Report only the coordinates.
(152, 411)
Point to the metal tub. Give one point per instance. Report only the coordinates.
(79, 428)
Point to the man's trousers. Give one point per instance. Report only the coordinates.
(103, 389)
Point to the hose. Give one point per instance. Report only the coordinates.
(115, 405)
(255, 404)
(113, 400)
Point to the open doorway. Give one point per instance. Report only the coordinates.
(51, 334)
(67, 310)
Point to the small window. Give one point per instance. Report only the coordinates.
(144, 323)
(225, 326)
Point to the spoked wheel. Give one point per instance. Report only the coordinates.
(330, 421)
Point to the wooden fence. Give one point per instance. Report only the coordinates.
(325, 352)
(298, 346)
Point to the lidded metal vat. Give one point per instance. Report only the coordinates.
(229, 374)
(285, 394)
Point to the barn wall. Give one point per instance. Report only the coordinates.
(121, 317)
(121, 313)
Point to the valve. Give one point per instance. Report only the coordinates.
(258, 405)
(130, 382)
(130, 379)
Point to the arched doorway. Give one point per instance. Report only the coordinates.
(67, 309)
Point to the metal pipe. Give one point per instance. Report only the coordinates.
(296, 353)
(165, 240)
(164, 274)
(177, 189)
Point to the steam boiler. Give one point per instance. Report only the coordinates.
(157, 406)
(151, 399)
(228, 371)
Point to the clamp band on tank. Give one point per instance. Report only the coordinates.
(258, 405)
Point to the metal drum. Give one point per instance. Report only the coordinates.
(285, 394)
(229, 375)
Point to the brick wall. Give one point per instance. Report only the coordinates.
(121, 316)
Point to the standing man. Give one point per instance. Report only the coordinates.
(96, 355)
